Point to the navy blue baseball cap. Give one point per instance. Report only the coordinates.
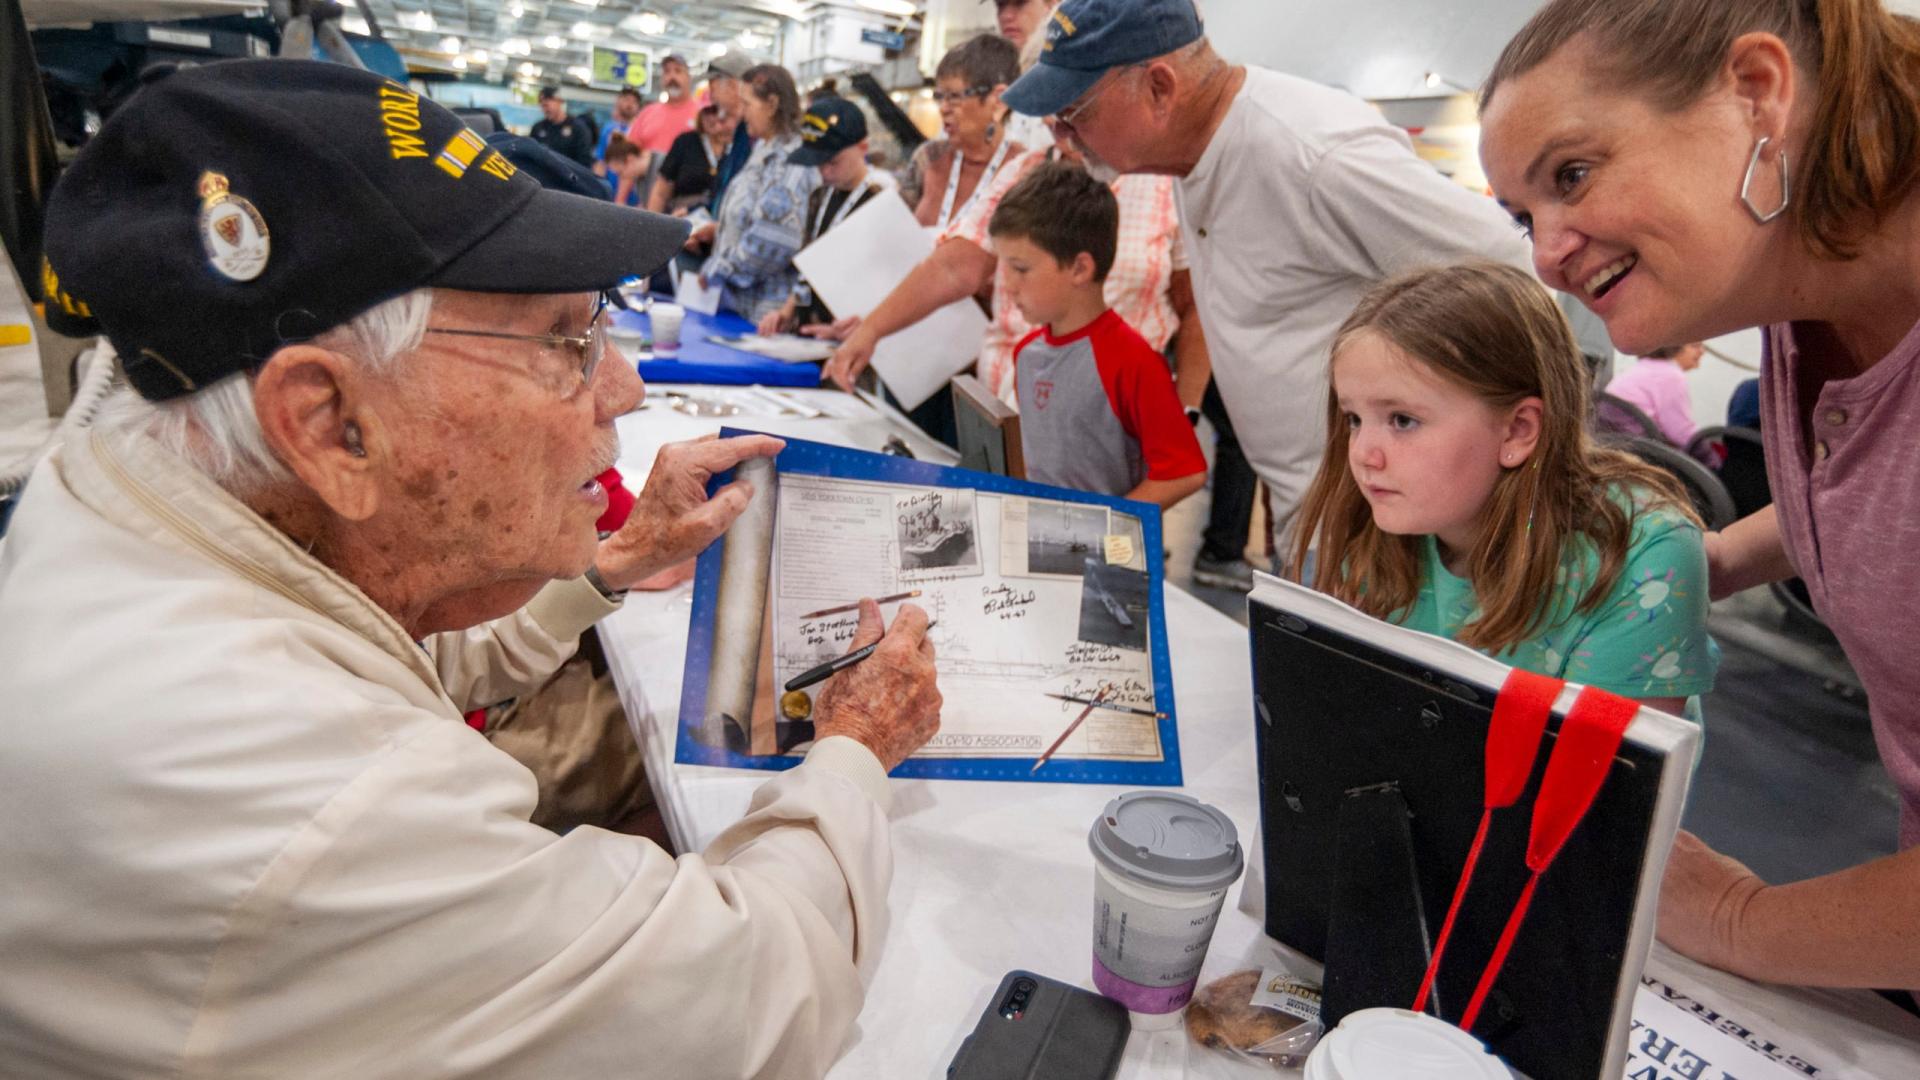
(555, 171)
(230, 209)
(1088, 38)
(832, 125)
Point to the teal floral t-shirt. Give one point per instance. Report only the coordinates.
(1648, 639)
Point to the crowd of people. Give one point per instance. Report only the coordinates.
(354, 488)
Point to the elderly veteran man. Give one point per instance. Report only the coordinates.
(1294, 200)
(247, 833)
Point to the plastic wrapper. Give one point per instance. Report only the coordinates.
(1264, 1016)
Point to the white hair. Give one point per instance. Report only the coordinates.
(216, 429)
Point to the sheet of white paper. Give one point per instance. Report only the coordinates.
(688, 294)
(853, 267)
(1670, 1042)
(1004, 643)
(787, 348)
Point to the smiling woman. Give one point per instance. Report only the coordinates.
(1693, 167)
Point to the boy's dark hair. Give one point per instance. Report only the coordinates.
(1062, 211)
(987, 60)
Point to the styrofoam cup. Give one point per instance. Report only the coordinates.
(666, 327)
(1162, 865)
(1374, 1043)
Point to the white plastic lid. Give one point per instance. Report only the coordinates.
(1405, 1045)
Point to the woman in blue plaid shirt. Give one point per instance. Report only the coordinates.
(763, 215)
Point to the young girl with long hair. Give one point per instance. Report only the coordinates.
(1461, 495)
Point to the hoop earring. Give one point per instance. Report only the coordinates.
(1786, 184)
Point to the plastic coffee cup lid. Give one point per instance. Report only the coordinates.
(1167, 839)
(1401, 1044)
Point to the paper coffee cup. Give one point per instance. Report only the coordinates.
(1406, 1045)
(1162, 864)
(665, 322)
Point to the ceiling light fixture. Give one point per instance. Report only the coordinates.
(450, 44)
(584, 74)
(531, 71)
(417, 20)
(650, 23)
(750, 40)
(554, 41)
(516, 47)
(583, 30)
(354, 24)
(459, 63)
(516, 9)
(479, 56)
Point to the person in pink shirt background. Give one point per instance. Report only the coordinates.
(664, 121)
(1657, 386)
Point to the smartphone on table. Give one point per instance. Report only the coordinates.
(1036, 1028)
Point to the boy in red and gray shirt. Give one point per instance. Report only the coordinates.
(1097, 406)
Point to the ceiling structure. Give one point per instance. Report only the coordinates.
(549, 41)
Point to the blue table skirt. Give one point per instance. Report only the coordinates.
(702, 361)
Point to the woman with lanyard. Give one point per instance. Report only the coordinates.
(686, 176)
(1688, 168)
(763, 214)
(947, 175)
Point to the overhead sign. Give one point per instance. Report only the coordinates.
(886, 39)
(618, 67)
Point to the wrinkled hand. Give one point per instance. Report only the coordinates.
(889, 702)
(672, 519)
(851, 358)
(837, 330)
(1701, 902)
(671, 578)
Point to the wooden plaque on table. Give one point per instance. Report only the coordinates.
(989, 430)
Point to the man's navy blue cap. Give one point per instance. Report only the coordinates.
(830, 126)
(233, 208)
(1088, 38)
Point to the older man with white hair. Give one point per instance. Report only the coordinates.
(248, 833)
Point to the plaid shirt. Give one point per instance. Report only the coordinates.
(761, 221)
(1138, 288)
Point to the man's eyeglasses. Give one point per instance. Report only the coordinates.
(945, 97)
(1070, 116)
(584, 353)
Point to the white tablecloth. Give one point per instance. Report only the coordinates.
(994, 876)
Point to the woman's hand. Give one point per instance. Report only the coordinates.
(1702, 899)
(837, 330)
(780, 320)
